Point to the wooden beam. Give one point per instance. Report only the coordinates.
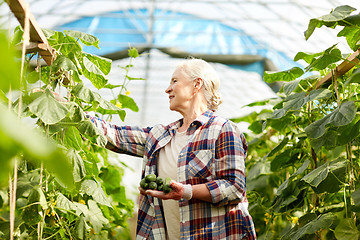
(340, 70)
(38, 41)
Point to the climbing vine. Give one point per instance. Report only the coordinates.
(65, 185)
(303, 178)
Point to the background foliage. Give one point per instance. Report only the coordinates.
(66, 186)
(303, 158)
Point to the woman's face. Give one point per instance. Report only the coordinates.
(181, 91)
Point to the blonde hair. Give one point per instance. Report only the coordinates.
(197, 68)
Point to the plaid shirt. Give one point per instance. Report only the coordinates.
(214, 155)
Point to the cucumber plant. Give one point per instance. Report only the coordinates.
(303, 179)
(66, 188)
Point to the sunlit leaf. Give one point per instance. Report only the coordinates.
(128, 102)
(93, 73)
(111, 86)
(104, 64)
(260, 168)
(88, 96)
(307, 57)
(79, 171)
(286, 76)
(81, 228)
(329, 56)
(63, 203)
(329, 20)
(48, 109)
(85, 38)
(89, 129)
(35, 76)
(62, 62)
(352, 34)
(93, 189)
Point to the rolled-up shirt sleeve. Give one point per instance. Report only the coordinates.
(229, 186)
(122, 139)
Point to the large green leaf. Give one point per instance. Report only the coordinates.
(322, 222)
(346, 230)
(92, 188)
(64, 204)
(329, 56)
(35, 76)
(286, 76)
(348, 133)
(93, 214)
(72, 138)
(128, 102)
(352, 34)
(329, 20)
(85, 38)
(81, 228)
(291, 86)
(328, 139)
(88, 96)
(93, 73)
(259, 169)
(320, 174)
(64, 63)
(89, 130)
(342, 115)
(104, 64)
(307, 57)
(297, 100)
(48, 109)
(67, 44)
(78, 165)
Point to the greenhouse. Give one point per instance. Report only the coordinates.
(74, 72)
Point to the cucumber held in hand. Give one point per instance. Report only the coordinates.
(167, 188)
(156, 183)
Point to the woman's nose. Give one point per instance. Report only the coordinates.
(168, 89)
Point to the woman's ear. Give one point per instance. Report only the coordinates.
(198, 83)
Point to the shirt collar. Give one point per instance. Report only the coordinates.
(202, 119)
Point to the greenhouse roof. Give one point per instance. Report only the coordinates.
(271, 28)
(268, 29)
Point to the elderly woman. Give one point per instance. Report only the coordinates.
(204, 155)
